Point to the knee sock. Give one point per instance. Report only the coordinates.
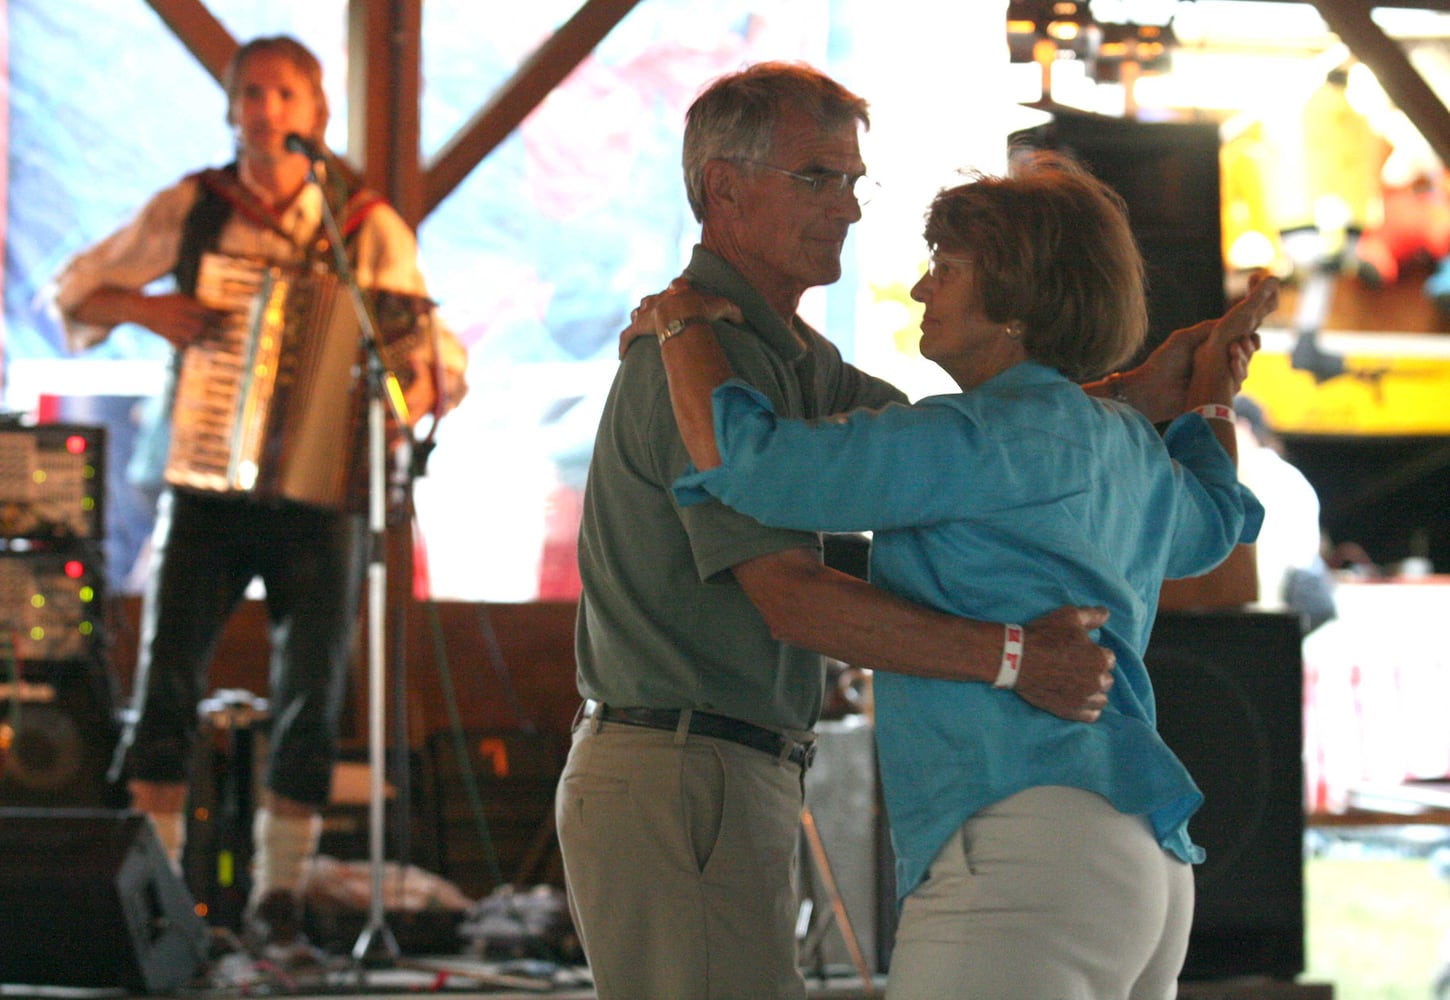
(281, 848)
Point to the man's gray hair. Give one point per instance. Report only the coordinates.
(735, 116)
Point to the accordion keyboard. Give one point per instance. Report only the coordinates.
(215, 375)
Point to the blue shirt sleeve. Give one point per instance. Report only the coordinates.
(1216, 510)
(872, 470)
(851, 472)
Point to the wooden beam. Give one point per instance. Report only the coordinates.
(204, 36)
(525, 90)
(367, 89)
(405, 166)
(1436, 5)
(384, 85)
(1351, 21)
(384, 39)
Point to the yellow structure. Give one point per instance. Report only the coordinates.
(1392, 385)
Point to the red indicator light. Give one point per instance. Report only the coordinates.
(75, 569)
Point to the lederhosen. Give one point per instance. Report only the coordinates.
(206, 548)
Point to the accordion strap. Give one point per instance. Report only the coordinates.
(225, 184)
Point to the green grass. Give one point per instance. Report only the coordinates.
(1375, 926)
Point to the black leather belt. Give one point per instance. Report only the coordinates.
(720, 727)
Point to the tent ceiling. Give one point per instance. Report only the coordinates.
(384, 40)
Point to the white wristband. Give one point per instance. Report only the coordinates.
(1215, 411)
(1011, 657)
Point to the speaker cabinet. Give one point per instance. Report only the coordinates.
(492, 806)
(1229, 689)
(1168, 174)
(63, 732)
(87, 899)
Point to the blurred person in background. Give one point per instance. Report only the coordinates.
(208, 546)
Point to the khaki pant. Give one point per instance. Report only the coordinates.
(1051, 894)
(680, 856)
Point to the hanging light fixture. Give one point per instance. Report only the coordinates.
(1067, 25)
(1025, 28)
(1147, 47)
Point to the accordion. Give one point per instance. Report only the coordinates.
(268, 405)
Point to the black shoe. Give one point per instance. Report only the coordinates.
(272, 930)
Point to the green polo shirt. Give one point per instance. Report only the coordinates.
(661, 623)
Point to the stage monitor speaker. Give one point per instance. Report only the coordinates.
(1229, 690)
(62, 733)
(88, 900)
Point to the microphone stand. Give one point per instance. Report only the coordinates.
(375, 946)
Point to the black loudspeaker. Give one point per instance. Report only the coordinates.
(63, 731)
(1229, 689)
(491, 802)
(1168, 174)
(87, 899)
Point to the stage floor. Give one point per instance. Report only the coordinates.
(448, 977)
(461, 978)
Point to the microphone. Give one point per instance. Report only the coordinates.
(295, 143)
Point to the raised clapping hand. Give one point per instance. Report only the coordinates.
(1159, 385)
(1221, 361)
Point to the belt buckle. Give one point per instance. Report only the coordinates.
(808, 755)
